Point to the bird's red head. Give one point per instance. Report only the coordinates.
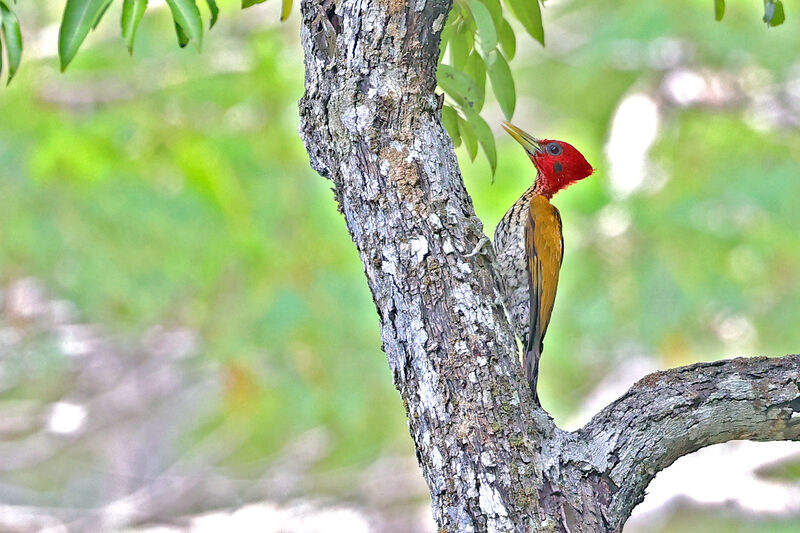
(559, 163)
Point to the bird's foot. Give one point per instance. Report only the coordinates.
(479, 247)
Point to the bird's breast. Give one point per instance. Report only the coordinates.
(511, 262)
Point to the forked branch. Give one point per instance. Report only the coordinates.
(672, 413)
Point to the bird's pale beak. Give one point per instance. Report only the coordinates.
(528, 141)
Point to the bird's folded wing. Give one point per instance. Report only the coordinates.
(544, 247)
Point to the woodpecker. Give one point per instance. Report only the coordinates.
(529, 246)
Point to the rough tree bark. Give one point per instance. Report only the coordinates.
(492, 460)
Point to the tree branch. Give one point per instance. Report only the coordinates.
(672, 413)
(493, 460)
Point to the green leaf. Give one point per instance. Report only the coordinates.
(248, 3)
(484, 24)
(183, 39)
(450, 120)
(508, 41)
(476, 69)
(13, 40)
(502, 83)
(450, 123)
(468, 30)
(286, 9)
(132, 13)
(212, 7)
(459, 49)
(79, 17)
(100, 16)
(773, 13)
(719, 9)
(469, 138)
(530, 15)
(187, 16)
(495, 9)
(485, 137)
(458, 86)
(780, 16)
(444, 39)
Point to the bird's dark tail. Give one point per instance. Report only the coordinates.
(533, 343)
(532, 354)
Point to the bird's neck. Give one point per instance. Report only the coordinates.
(539, 189)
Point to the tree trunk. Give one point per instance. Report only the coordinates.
(492, 459)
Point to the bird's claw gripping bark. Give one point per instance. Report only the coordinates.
(479, 247)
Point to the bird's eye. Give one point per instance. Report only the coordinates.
(553, 148)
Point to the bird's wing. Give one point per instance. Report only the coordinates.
(544, 248)
(550, 243)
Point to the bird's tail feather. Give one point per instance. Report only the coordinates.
(532, 355)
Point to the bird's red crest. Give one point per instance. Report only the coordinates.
(560, 165)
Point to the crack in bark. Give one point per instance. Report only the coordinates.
(492, 459)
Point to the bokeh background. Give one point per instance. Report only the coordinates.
(187, 341)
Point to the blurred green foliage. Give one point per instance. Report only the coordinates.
(187, 199)
(173, 188)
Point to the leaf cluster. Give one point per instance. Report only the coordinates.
(477, 43)
(81, 16)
